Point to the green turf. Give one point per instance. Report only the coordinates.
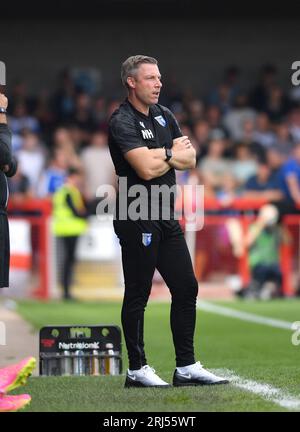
(285, 309)
(107, 394)
(252, 351)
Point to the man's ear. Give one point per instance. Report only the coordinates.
(131, 82)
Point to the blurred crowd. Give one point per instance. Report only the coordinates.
(247, 139)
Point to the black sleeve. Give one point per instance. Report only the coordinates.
(12, 167)
(174, 126)
(124, 133)
(5, 145)
(74, 209)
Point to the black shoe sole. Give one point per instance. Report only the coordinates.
(137, 384)
(193, 384)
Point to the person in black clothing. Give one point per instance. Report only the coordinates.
(146, 147)
(8, 167)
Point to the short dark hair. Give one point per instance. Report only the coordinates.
(262, 160)
(73, 171)
(131, 64)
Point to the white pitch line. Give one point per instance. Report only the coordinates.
(244, 316)
(266, 391)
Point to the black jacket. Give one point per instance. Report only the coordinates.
(6, 158)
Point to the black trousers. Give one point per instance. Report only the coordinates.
(4, 250)
(168, 253)
(67, 270)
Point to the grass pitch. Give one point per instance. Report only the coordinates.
(263, 356)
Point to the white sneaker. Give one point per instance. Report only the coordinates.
(144, 377)
(196, 375)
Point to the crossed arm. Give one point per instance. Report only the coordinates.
(150, 163)
(8, 164)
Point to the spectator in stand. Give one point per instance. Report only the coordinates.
(214, 119)
(244, 164)
(247, 131)
(19, 94)
(32, 159)
(17, 141)
(172, 92)
(276, 104)
(263, 133)
(260, 93)
(224, 95)
(201, 138)
(195, 109)
(228, 191)
(63, 139)
(188, 96)
(19, 186)
(93, 157)
(283, 140)
(43, 111)
(214, 166)
(289, 177)
(221, 98)
(20, 119)
(180, 114)
(275, 160)
(263, 184)
(99, 112)
(54, 176)
(294, 124)
(294, 95)
(111, 107)
(231, 78)
(236, 117)
(82, 116)
(75, 137)
(247, 137)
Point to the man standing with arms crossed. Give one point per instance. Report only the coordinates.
(15, 375)
(147, 146)
(8, 167)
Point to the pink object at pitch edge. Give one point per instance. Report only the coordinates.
(13, 403)
(16, 375)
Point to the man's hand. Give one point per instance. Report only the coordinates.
(181, 143)
(184, 154)
(3, 101)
